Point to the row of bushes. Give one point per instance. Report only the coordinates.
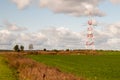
(18, 49)
(71, 52)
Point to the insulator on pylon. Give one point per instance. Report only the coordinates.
(89, 43)
(92, 43)
(90, 29)
(89, 35)
(90, 22)
(89, 32)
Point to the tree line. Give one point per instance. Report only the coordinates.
(18, 48)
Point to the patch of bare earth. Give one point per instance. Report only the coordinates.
(28, 69)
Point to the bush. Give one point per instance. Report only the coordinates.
(22, 48)
(44, 49)
(55, 50)
(67, 50)
(16, 48)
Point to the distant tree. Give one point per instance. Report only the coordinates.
(44, 49)
(67, 50)
(55, 50)
(30, 46)
(16, 48)
(22, 48)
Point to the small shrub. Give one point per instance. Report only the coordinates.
(67, 50)
(44, 49)
(16, 48)
(55, 50)
(22, 48)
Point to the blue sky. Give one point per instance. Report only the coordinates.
(35, 18)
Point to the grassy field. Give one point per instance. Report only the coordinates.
(5, 72)
(99, 67)
(109, 52)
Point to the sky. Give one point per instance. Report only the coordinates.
(59, 24)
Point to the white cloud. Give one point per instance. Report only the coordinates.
(34, 38)
(6, 37)
(70, 7)
(114, 29)
(21, 4)
(115, 1)
(1, 25)
(114, 41)
(13, 27)
(63, 38)
(108, 38)
(51, 38)
(73, 7)
(9, 39)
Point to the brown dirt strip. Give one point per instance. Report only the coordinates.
(28, 69)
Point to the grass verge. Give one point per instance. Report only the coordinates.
(5, 72)
(29, 69)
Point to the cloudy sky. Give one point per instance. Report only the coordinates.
(59, 24)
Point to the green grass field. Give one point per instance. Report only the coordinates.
(99, 67)
(5, 72)
(109, 52)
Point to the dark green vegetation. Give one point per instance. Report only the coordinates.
(18, 49)
(5, 72)
(97, 67)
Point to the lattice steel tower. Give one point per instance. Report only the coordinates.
(90, 35)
